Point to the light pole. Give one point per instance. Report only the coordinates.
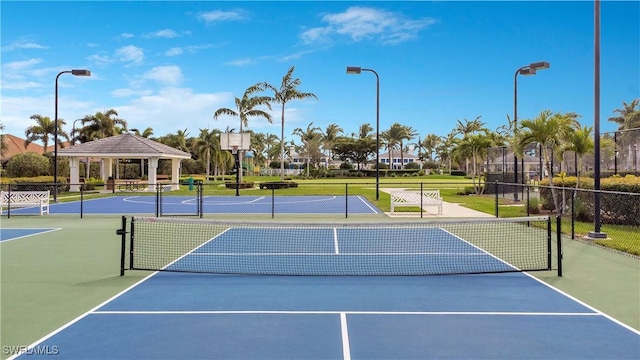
(55, 129)
(525, 70)
(357, 70)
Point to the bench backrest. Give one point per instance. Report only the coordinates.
(414, 197)
(24, 197)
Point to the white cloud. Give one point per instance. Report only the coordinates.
(241, 62)
(16, 45)
(125, 36)
(219, 15)
(165, 75)
(100, 59)
(130, 53)
(118, 93)
(21, 85)
(364, 23)
(20, 65)
(174, 51)
(165, 33)
(173, 109)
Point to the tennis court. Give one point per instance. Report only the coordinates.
(190, 205)
(189, 310)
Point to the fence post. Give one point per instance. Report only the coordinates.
(573, 214)
(273, 199)
(346, 200)
(528, 214)
(81, 200)
(559, 243)
(421, 204)
(496, 185)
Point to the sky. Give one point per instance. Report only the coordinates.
(170, 65)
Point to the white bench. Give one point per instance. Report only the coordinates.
(26, 198)
(417, 198)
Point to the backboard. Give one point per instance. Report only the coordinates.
(235, 141)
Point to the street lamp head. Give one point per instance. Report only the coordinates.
(81, 72)
(527, 71)
(354, 70)
(539, 65)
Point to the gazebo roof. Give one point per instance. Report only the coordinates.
(124, 146)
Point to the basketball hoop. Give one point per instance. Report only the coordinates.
(234, 150)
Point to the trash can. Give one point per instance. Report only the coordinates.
(190, 182)
(111, 183)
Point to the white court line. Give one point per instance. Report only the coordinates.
(346, 350)
(334, 254)
(335, 240)
(33, 234)
(375, 211)
(310, 312)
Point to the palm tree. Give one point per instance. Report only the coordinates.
(408, 134)
(329, 137)
(205, 145)
(392, 138)
(580, 142)
(147, 133)
(3, 145)
(311, 140)
(101, 125)
(475, 146)
(45, 127)
(246, 108)
(287, 91)
(467, 128)
(626, 115)
(546, 130)
(429, 144)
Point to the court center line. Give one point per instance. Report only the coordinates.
(335, 240)
(346, 350)
(309, 312)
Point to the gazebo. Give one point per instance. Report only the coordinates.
(124, 146)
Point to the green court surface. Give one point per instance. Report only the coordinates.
(51, 278)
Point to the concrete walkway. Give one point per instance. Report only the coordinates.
(449, 210)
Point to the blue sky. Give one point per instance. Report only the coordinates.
(170, 65)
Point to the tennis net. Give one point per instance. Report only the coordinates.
(464, 246)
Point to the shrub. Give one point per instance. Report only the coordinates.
(534, 205)
(28, 164)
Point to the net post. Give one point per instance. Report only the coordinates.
(123, 233)
(549, 232)
(157, 202)
(131, 243)
(559, 243)
(273, 201)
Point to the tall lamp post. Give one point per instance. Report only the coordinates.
(55, 129)
(357, 70)
(525, 70)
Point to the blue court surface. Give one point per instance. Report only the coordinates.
(211, 204)
(175, 315)
(8, 234)
(199, 316)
